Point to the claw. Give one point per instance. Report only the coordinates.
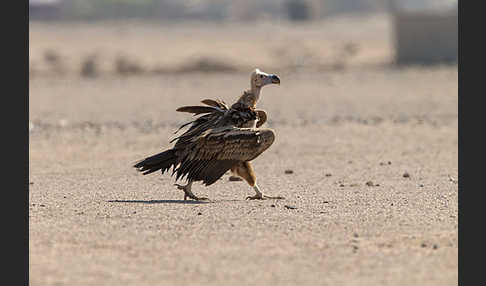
(188, 193)
(274, 198)
(264, 197)
(255, 197)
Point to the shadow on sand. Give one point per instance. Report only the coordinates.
(188, 202)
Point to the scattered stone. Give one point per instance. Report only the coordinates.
(370, 184)
(272, 206)
(389, 162)
(452, 180)
(350, 162)
(328, 174)
(341, 185)
(435, 246)
(42, 205)
(134, 212)
(325, 202)
(423, 244)
(31, 183)
(406, 175)
(290, 207)
(199, 213)
(355, 235)
(289, 171)
(355, 248)
(421, 185)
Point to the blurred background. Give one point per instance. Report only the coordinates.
(120, 37)
(116, 64)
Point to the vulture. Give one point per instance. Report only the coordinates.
(219, 139)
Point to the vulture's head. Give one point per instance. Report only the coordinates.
(260, 79)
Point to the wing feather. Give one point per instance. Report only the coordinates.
(199, 109)
(242, 144)
(215, 103)
(212, 154)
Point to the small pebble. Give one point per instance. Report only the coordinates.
(452, 180)
(199, 213)
(325, 202)
(406, 175)
(290, 207)
(435, 246)
(328, 174)
(272, 206)
(370, 184)
(341, 185)
(289, 171)
(423, 244)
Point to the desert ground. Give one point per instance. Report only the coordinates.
(365, 156)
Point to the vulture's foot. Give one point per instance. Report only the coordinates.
(264, 197)
(188, 193)
(260, 196)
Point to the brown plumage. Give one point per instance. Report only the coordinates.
(222, 138)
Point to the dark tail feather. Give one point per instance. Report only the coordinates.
(162, 161)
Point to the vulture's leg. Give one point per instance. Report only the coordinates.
(245, 171)
(188, 192)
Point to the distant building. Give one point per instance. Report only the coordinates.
(44, 9)
(425, 31)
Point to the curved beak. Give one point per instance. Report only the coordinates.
(275, 79)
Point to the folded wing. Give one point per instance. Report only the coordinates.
(214, 152)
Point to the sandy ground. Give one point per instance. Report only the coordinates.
(93, 220)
